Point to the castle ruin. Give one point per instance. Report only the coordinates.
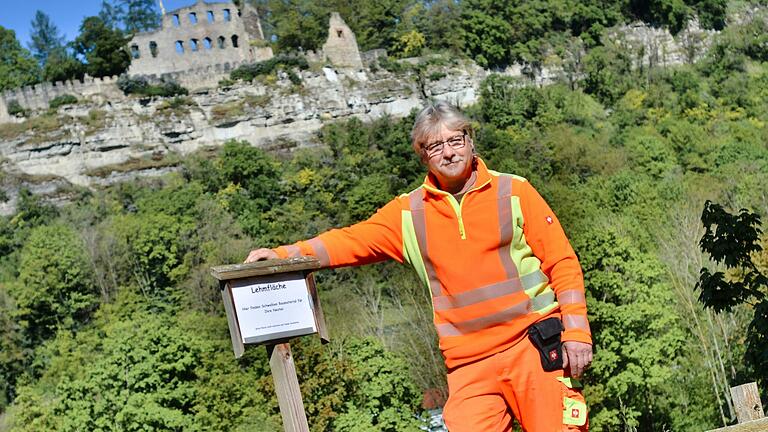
(204, 34)
(340, 48)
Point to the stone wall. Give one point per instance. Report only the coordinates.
(200, 35)
(38, 96)
(4, 116)
(341, 46)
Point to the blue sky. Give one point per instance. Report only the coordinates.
(66, 14)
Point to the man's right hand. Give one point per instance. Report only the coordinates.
(261, 254)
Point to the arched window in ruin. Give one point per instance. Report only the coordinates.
(234, 41)
(176, 22)
(194, 44)
(180, 47)
(153, 48)
(210, 16)
(227, 15)
(135, 51)
(222, 42)
(207, 43)
(339, 33)
(193, 17)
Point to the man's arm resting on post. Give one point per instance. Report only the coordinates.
(375, 239)
(547, 239)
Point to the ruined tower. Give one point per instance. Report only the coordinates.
(203, 34)
(341, 46)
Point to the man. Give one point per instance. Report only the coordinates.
(506, 285)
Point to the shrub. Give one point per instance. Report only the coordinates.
(15, 108)
(250, 71)
(143, 86)
(65, 99)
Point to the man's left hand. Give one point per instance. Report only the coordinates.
(577, 356)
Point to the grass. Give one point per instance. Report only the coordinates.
(257, 101)
(39, 125)
(228, 110)
(95, 121)
(178, 105)
(135, 164)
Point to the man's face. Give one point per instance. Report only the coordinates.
(453, 163)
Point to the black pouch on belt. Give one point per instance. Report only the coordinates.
(545, 336)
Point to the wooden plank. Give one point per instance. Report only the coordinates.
(234, 328)
(266, 267)
(746, 401)
(751, 426)
(322, 329)
(287, 388)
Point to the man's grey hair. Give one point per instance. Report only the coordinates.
(432, 118)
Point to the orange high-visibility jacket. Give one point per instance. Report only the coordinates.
(495, 262)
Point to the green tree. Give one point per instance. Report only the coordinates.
(139, 15)
(733, 240)
(55, 287)
(44, 37)
(61, 65)
(104, 49)
(297, 24)
(151, 250)
(635, 329)
(17, 66)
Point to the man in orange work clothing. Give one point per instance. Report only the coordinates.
(506, 285)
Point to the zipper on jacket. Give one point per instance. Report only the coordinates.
(457, 209)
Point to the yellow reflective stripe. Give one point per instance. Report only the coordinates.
(543, 300)
(574, 412)
(411, 247)
(572, 296)
(484, 322)
(570, 382)
(416, 200)
(506, 225)
(320, 252)
(541, 304)
(293, 251)
(572, 322)
(532, 282)
(488, 292)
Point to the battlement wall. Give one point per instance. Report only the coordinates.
(38, 96)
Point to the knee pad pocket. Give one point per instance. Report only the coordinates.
(574, 406)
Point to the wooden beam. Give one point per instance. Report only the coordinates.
(751, 426)
(266, 267)
(287, 388)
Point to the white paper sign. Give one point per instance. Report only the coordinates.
(274, 308)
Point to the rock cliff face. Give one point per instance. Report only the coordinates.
(103, 139)
(108, 137)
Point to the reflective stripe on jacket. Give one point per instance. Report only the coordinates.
(494, 263)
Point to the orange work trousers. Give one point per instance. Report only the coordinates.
(484, 395)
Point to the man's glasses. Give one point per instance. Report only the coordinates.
(456, 142)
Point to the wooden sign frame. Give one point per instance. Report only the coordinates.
(230, 276)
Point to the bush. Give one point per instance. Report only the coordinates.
(15, 109)
(65, 99)
(143, 86)
(250, 71)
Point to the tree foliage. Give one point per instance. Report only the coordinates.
(103, 49)
(733, 240)
(17, 66)
(45, 37)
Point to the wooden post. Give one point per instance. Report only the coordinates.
(749, 410)
(292, 280)
(746, 401)
(287, 388)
